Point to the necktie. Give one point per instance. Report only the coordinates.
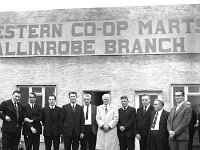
(73, 108)
(32, 106)
(154, 121)
(144, 110)
(124, 108)
(106, 108)
(87, 113)
(17, 111)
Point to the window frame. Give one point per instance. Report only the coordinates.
(185, 86)
(30, 87)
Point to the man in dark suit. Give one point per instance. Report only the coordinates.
(51, 123)
(125, 126)
(11, 114)
(158, 137)
(177, 123)
(72, 123)
(143, 119)
(199, 127)
(90, 128)
(191, 126)
(32, 127)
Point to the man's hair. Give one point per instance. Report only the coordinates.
(16, 91)
(124, 97)
(87, 95)
(32, 93)
(146, 95)
(160, 101)
(53, 96)
(72, 92)
(183, 93)
(105, 94)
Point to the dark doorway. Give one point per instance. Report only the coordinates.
(96, 96)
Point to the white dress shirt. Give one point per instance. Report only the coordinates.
(32, 105)
(52, 107)
(157, 120)
(89, 120)
(73, 104)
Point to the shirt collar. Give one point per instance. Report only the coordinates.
(146, 107)
(160, 111)
(14, 101)
(125, 107)
(52, 106)
(88, 106)
(32, 104)
(73, 104)
(178, 105)
(106, 105)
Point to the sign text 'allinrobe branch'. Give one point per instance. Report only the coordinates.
(109, 37)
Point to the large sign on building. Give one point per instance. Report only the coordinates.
(107, 37)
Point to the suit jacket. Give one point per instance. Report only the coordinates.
(192, 123)
(7, 108)
(178, 122)
(70, 120)
(34, 114)
(143, 121)
(93, 119)
(163, 132)
(126, 119)
(199, 127)
(51, 123)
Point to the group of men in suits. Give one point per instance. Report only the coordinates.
(29, 117)
(104, 127)
(72, 121)
(158, 129)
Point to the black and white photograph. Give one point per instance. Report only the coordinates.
(100, 75)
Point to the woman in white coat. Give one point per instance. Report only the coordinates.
(107, 118)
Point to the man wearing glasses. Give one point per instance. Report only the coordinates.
(177, 123)
(32, 127)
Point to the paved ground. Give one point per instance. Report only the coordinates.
(42, 147)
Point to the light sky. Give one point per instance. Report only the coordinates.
(28, 5)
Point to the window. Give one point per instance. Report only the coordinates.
(42, 92)
(192, 94)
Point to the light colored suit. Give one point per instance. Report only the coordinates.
(178, 122)
(107, 140)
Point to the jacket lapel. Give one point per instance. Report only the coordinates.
(48, 111)
(161, 118)
(92, 109)
(109, 107)
(176, 112)
(54, 111)
(173, 112)
(92, 113)
(13, 107)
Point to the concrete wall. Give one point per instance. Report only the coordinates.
(122, 75)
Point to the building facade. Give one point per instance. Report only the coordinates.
(122, 51)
